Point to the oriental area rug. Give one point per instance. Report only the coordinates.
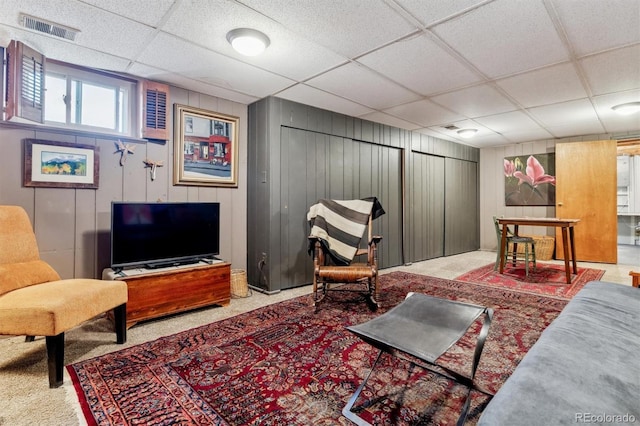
(548, 279)
(292, 364)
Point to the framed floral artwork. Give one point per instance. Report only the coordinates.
(529, 180)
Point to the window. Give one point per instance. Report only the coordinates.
(71, 97)
(89, 101)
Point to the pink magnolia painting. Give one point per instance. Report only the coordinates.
(530, 180)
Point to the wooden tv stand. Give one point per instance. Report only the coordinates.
(157, 292)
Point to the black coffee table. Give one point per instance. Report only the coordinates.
(424, 327)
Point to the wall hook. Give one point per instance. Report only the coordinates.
(124, 150)
(152, 165)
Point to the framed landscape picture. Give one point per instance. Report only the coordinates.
(205, 147)
(60, 165)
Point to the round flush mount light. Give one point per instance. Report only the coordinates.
(248, 42)
(467, 133)
(627, 109)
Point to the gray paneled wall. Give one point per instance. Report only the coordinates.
(299, 154)
(426, 209)
(461, 206)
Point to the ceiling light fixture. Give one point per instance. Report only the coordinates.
(627, 109)
(248, 42)
(467, 133)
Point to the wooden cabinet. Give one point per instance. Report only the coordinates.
(153, 294)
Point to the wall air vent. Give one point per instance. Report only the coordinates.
(48, 27)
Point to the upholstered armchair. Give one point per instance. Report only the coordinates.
(34, 301)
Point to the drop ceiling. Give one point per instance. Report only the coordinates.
(516, 70)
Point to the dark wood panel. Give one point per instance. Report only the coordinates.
(426, 209)
(462, 232)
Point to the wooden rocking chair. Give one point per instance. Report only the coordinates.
(334, 250)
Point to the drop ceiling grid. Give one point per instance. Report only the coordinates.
(500, 44)
(354, 82)
(622, 18)
(420, 65)
(548, 85)
(349, 28)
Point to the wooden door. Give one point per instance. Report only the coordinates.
(586, 174)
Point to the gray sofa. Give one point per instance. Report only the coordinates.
(585, 368)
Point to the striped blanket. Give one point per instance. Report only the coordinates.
(340, 225)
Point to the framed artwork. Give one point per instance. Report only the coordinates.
(60, 165)
(205, 147)
(529, 180)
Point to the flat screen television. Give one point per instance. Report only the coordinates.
(154, 235)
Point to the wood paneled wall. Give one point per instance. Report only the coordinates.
(72, 226)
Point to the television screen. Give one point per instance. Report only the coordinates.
(163, 234)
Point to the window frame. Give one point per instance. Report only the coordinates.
(127, 120)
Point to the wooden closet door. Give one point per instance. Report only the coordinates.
(586, 174)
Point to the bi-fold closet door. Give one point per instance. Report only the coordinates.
(442, 207)
(315, 165)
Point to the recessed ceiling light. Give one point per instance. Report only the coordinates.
(627, 109)
(248, 42)
(467, 133)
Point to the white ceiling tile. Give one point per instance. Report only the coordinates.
(596, 25)
(148, 12)
(99, 30)
(614, 122)
(527, 135)
(424, 113)
(579, 111)
(191, 22)
(436, 134)
(380, 117)
(69, 52)
(178, 80)
(430, 12)
(355, 82)
(613, 71)
(576, 129)
(475, 101)
(307, 95)
(544, 86)
(508, 122)
(505, 37)
(210, 67)
(480, 141)
(432, 70)
(350, 28)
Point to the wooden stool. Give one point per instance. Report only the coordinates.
(636, 279)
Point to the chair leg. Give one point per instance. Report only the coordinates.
(373, 293)
(55, 359)
(120, 317)
(533, 251)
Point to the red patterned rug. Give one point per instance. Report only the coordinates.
(548, 279)
(288, 364)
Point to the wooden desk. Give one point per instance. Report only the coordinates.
(567, 241)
